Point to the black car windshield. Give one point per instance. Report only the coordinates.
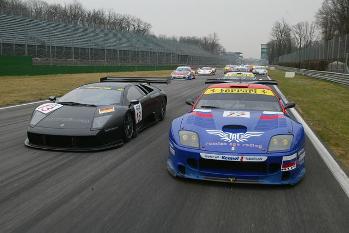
(240, 101)
(92, 96)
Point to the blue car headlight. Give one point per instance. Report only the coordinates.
(99, 122)
(189, 138)
(280, 143)
(37, 117)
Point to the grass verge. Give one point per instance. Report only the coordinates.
(324, 106)
(21, 89)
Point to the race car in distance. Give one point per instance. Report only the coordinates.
(240, 75)
(260, 70)
(237, 132)
(206, 71)
(183, 72)
(97, 116)
(228, 68)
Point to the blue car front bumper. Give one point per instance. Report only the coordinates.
(188, 163)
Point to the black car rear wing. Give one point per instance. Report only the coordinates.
(165, 80)
(225, 80)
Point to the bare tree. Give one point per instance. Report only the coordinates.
(75, 14)
(304, 34)
(333, 18)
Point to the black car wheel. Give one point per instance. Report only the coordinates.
(128, 127)
(162, 110)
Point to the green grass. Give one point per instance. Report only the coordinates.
(324, 106)
(21, 89)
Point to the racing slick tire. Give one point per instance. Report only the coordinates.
(162, 112)
(128, 128)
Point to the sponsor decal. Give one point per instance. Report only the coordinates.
(236, 114)
(48, 107)
(138, 112)
(237, 158)
(234, 137)
(229, 90)
(106, 110)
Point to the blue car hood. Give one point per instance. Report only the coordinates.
(236, 131)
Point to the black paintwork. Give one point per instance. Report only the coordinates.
(70, 127)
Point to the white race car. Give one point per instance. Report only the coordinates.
(206, 71)
(260, 70)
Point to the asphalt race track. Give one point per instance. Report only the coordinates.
(129, 190)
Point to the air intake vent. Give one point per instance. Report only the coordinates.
(235, 129)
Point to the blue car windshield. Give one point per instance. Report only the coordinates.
(248, 102)
(93, 96)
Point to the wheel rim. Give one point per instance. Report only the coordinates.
(128, 126)
(163, 110)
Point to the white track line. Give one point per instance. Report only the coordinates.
(20, 105)
(330, 162)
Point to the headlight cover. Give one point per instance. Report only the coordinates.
(280, 143)
(99, 122)
(189, 138)
(37, 117)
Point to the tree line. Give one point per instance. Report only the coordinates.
(332, 20)
(75, 14)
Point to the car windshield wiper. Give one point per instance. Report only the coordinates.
(77, 104)
(208, 106)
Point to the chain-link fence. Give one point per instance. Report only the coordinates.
(330, 55)
(53, 43)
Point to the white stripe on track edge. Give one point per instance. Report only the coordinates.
(20, 105)
(330, 162)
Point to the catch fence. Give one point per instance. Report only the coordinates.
(330, 55)
(62, 44)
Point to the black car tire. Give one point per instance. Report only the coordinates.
(128, 127)
(162, 112)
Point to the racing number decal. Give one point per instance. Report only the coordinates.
(138, 112)
(49, 107)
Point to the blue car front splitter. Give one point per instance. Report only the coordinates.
(277, 169)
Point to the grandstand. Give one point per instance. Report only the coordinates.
(58, 43)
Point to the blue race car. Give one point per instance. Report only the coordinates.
(237, 133)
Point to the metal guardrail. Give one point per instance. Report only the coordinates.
(323, 75)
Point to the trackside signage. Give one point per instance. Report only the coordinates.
(238, 158)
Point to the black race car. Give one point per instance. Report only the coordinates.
(98, 116)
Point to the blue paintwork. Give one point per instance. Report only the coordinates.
(253, 146)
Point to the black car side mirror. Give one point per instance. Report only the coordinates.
(134, 102)
(190, 102)
(290, 105)
(52, 98)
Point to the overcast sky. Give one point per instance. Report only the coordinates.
(242, 25)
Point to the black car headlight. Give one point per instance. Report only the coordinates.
(280, 143)
(189, 138)
(99, 122)
(37, 117)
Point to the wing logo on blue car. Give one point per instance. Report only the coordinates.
(234, 137)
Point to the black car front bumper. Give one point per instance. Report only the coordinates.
(70, 140)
